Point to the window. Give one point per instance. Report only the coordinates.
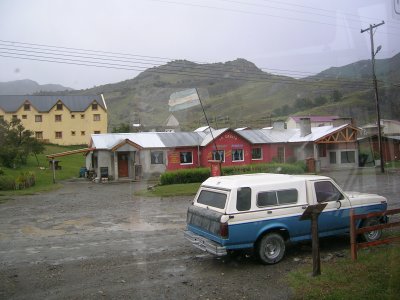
(186, 157)
(332, 157)
(243, 199)
(83, 132)
(38, 118)
(39, 135)
(322, 150)
(72, 116)
(282, 197)
(58, 118)
(326, 191)
(1, 117)
(157, 157)
(347, 157)
(58, 134)
(59, 106)
(24, 117)
(218, 155)
(94, 106)
(82, 116)
(237, 154)
(97, 132)
(73, 133)
(96, 117)
(27, 106)
(281, 154)
(14, 117)
(211, 198)
(256, 153)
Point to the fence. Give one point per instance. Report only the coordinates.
(354, 232)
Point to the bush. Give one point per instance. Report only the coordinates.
(280, 168)
(185, 176)
(24, 180)
(6, 183)
(201, 174)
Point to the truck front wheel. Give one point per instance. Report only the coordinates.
(374, 235)
(271, 248)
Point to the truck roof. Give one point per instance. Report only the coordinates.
(248, 180)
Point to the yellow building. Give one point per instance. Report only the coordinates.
(63, 120)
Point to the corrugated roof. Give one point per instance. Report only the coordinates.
(316, 133)
(255, 136)
(143, 139)
(315, 118)
(11, 103)
(209, 137)
(180, 139)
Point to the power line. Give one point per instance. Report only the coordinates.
(349, 84)
(99, 59)
(260, 14)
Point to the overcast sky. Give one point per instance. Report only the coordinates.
(295, 37)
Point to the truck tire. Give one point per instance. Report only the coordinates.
(371, 235)
(271, 248)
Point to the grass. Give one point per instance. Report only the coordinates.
(374, 275)
(43, 172)
(188, 189)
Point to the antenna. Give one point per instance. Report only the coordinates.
(205, 116)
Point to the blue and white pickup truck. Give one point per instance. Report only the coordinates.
(262, 211)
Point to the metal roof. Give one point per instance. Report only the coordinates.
(214, 134)
(255, 136)
(315, 118)
(180, 139)
(143, 139)
(11, 103)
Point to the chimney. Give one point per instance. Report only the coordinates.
(280, 125)
(342, 121)
(305, 126)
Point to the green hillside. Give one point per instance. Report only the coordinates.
(238, 93)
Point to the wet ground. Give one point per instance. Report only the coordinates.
(94, 241)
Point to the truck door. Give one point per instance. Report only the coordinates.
(335, 217)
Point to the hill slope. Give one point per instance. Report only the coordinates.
(27, 87)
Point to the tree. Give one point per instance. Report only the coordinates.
(123, 128)
(320, 100)
(16, 143)
(336, 96)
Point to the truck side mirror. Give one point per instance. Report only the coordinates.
(338, 204)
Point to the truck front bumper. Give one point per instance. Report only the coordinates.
(205, 244)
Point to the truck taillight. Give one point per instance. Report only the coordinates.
(223, 230)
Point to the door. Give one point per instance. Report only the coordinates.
(123, 161)
(335, 217)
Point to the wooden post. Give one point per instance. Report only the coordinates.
(54, 170)
(353, 236)
(315, 245)
(312, 213)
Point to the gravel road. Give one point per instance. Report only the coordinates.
(94, 241)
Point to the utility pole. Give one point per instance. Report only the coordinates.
(373, 54)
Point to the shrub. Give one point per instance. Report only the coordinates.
(185, 176)
(24, 180)
(6, 183)
(281, 168)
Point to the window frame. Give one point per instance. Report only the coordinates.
(191, 158)
(58, 135)
(241, 155)
(96, 118)
(57, 118)
(276, 194)
(38, 118)
(155, 161)
(252, 153)
(214, 157)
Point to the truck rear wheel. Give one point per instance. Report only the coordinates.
(271, 248)
(374, 235)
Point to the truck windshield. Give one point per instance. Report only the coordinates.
(212, 198)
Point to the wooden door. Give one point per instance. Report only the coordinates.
(123, 161)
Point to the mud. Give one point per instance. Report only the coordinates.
(94, 241)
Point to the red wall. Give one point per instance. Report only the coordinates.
(173, 156)
(228, 141)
